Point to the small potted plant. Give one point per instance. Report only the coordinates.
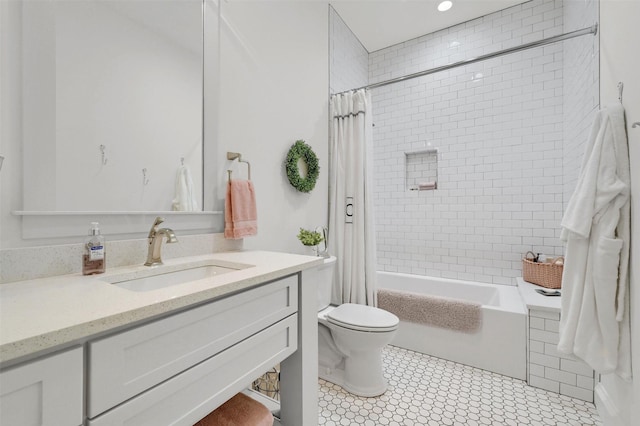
(310, 239)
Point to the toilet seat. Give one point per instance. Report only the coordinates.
(363, 318)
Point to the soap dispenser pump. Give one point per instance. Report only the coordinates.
(94, 255)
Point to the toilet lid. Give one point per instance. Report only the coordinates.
(362, 317)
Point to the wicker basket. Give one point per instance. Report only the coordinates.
(547, 274)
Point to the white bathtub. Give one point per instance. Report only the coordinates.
(500, 344)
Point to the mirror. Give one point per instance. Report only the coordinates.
(112, 103)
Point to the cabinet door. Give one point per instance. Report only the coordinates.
(46, 391)
(126, 364)
(188, 397)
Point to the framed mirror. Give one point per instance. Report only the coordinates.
(112, 104)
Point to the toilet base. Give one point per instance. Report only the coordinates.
(366, 382)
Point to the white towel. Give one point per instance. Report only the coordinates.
(185, 200)
(594, 324)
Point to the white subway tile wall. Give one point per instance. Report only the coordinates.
(580, 88)
(349, 67)
(498, 126)
(551, 370)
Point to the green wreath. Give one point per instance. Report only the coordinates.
(301, 150)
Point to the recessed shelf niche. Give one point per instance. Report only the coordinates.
(421, 170)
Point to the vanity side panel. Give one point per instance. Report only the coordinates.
(299, 372)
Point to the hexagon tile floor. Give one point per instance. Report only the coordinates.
(425, 390)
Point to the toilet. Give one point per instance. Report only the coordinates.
(350, 339)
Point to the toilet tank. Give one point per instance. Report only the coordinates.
(323, 276)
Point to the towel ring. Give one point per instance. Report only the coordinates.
(236, 155)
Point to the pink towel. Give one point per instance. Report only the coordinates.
(240, 213)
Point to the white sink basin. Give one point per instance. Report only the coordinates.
(156, 279)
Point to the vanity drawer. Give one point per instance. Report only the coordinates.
(126, 364)
(46, 391)
(188, 397)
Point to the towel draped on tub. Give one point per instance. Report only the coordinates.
(435, 311)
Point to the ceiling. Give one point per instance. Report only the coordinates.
(382, 23)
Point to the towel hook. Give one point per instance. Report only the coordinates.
(182, 161)
(145, 180)
(620, 87)
(104, 154)
(637, 124)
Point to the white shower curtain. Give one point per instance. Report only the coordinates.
(351, 224)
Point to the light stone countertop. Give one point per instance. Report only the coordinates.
(46, 314)
(537, 301)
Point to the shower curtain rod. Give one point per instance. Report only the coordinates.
(588, 30)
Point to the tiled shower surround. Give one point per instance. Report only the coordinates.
(551, 370)
(498, 126)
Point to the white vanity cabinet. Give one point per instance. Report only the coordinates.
(166, 357)
(177, 369)
(47, 391)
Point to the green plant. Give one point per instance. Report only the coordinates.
(310, 238)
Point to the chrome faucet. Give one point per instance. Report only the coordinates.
(325, 244)
(154, 256)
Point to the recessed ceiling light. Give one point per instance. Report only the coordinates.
(444, 6)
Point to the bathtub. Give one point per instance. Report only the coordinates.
(499, 345)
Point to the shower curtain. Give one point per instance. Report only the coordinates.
(351, 224)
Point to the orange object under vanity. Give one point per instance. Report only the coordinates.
(240, 410)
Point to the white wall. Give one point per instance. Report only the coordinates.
(348, 59)
(3, 90)
(619, 402)
(274, 90)
(498, 128)
(2, 106)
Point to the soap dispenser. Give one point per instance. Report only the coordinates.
(94, 255)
